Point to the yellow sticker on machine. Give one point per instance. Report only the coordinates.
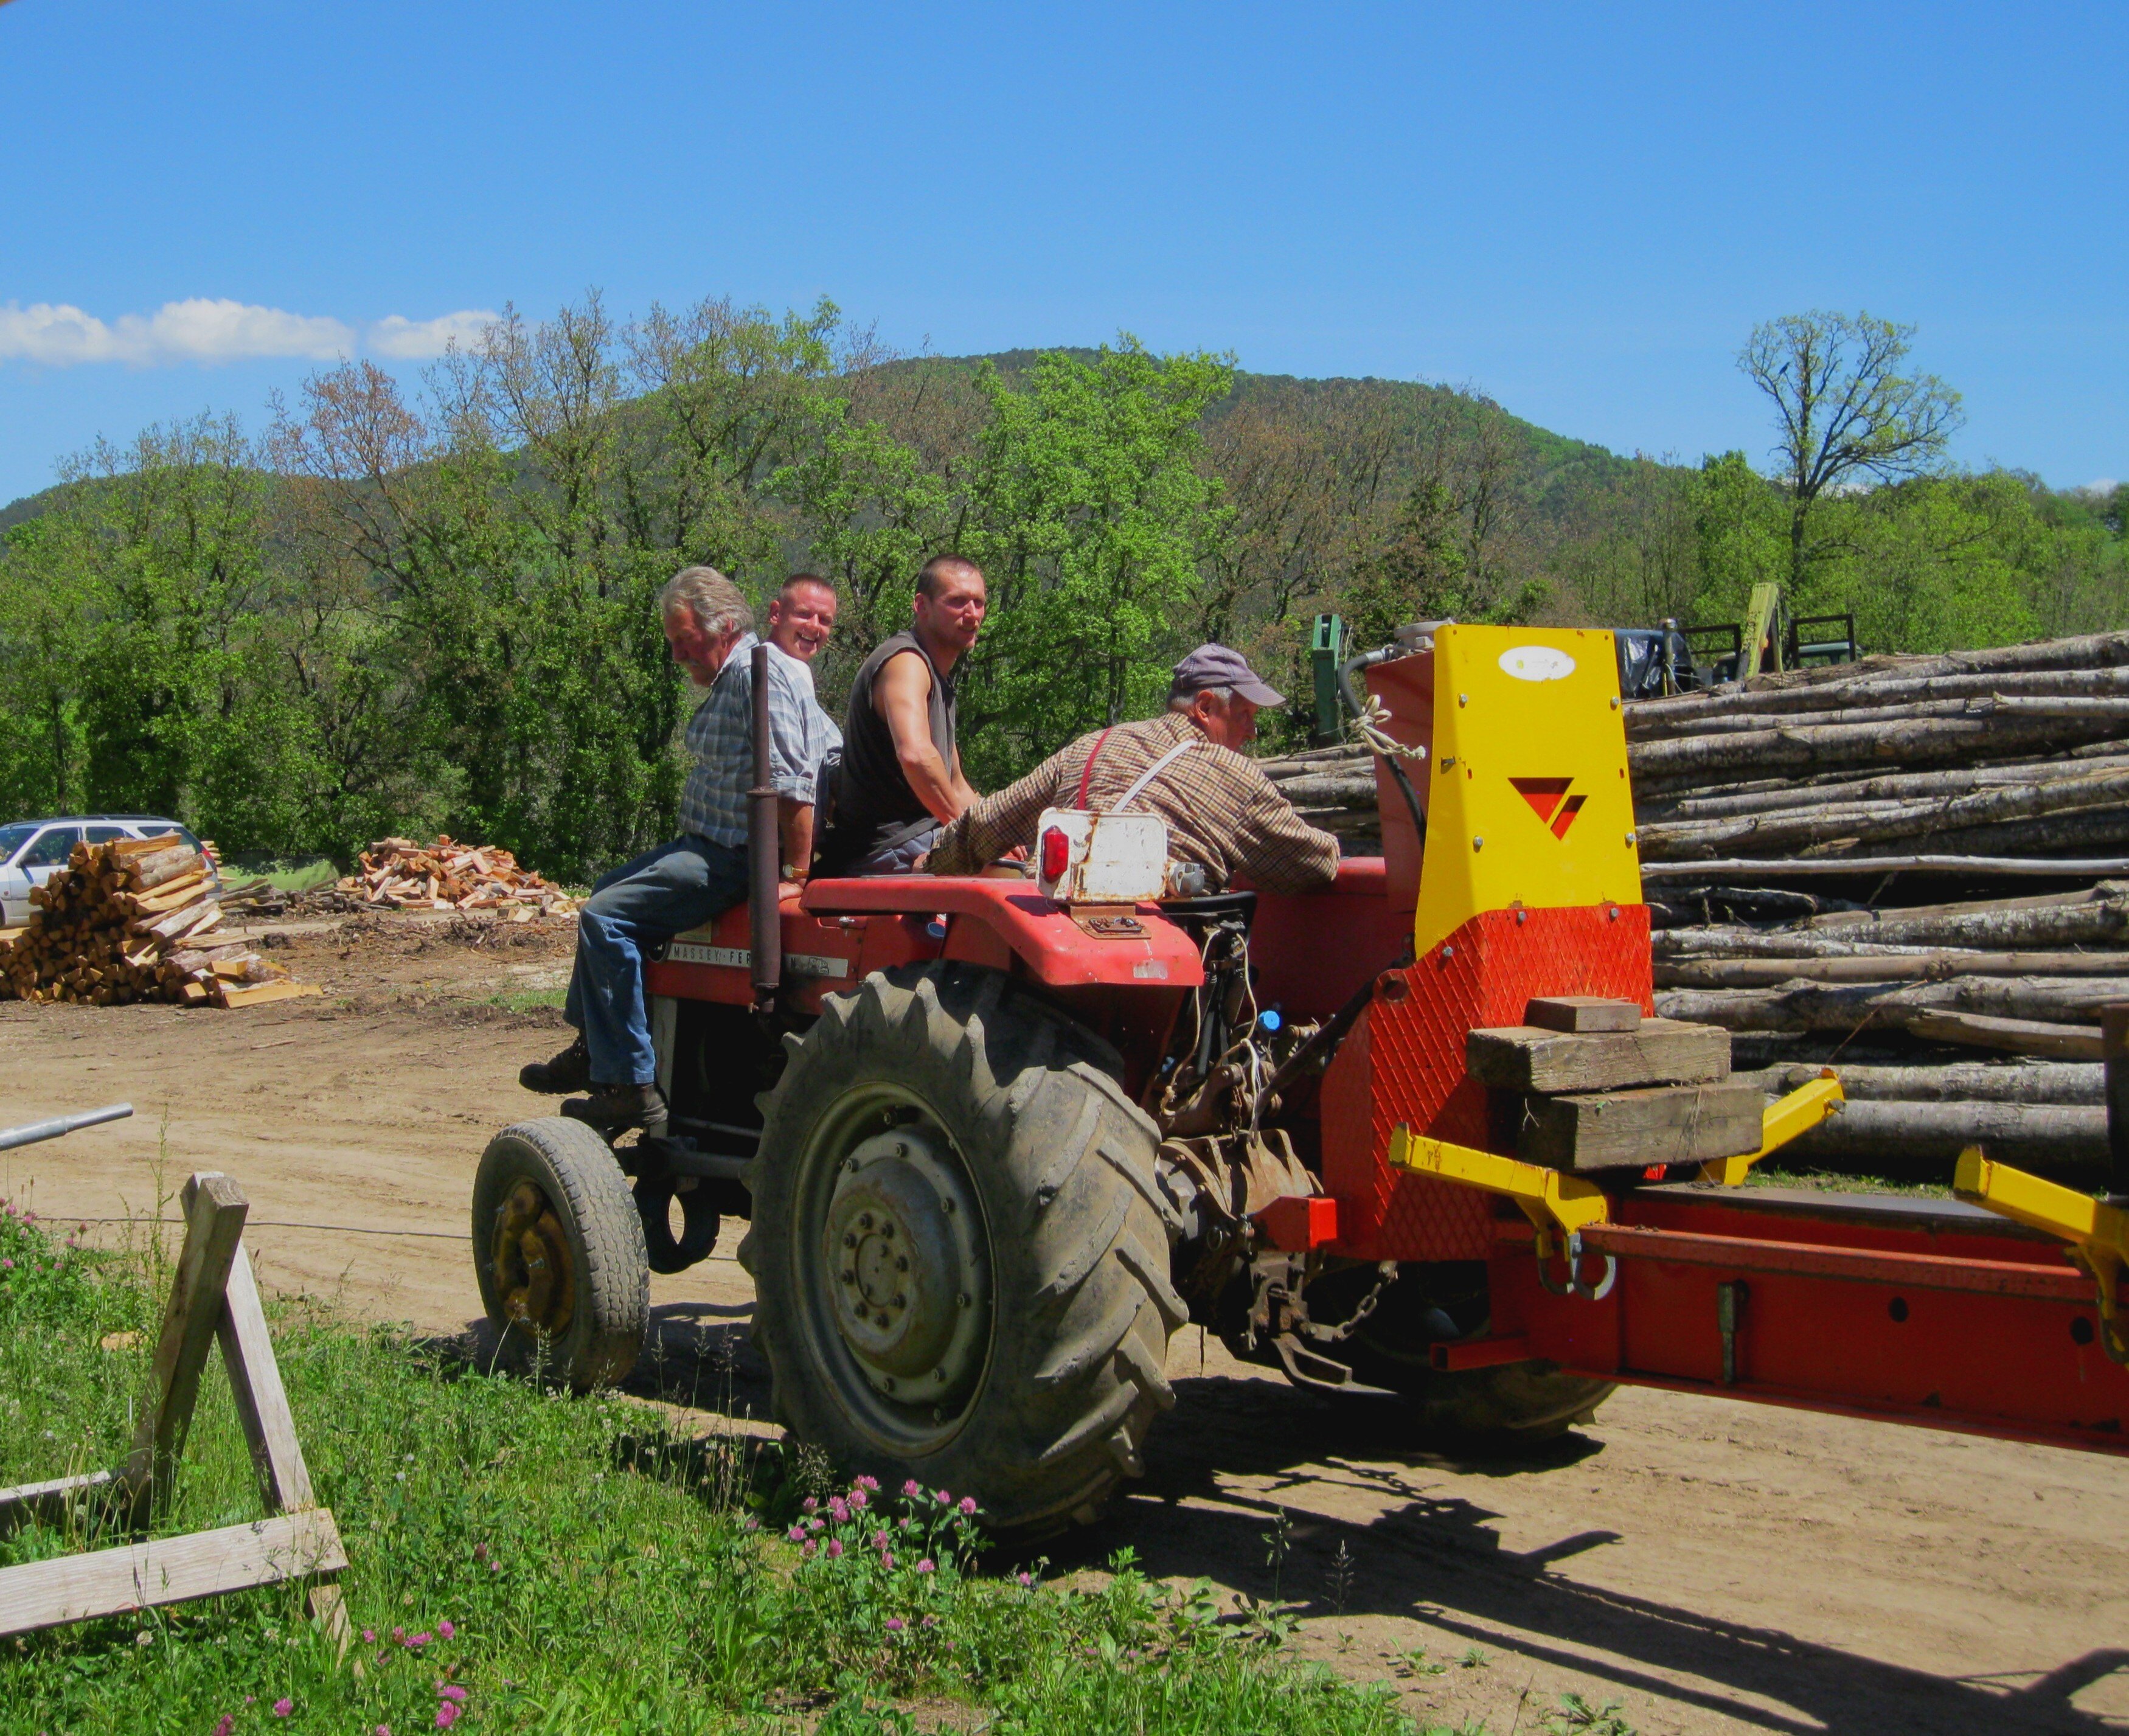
(1529, 800)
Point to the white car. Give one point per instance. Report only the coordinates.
(31, 851)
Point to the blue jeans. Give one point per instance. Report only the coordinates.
(677, 886)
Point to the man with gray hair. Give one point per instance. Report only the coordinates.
(698, 876)
(1185, 766)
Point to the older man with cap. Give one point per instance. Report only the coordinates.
(1222, 812)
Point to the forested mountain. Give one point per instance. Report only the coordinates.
(405, 610)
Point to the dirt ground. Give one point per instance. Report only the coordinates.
(1708, 1565)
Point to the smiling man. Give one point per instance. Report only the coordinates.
(802, 620)
(698, 876)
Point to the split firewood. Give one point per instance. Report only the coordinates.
(398, 874)
(125, 921)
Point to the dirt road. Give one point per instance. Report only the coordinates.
(1711, 1566)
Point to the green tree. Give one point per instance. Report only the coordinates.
(1090, 515)
(1845, 411)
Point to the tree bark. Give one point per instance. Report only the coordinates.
(1994, 1081)
(1801, 1005)
(1928, 966)
(1697, 758)
(1646, 718)
(1803, 793)
(2031, 1135)
(1979, 822)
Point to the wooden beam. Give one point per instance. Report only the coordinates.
(1626, 1129)
(1582, 1013)
(68, 1588)
(262, 1402)
(47, 1502)
(1661, 1052)
(214, 1210)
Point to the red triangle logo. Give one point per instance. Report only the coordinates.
(1550, 801)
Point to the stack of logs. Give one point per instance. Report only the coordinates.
(397, 873)
(134, 920)
(1917, 867)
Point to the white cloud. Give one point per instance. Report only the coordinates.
(195, 331)
(410, 341)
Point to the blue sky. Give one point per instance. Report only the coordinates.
(1581, 210)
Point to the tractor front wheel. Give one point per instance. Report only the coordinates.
(959, 1257)
(558, 1249)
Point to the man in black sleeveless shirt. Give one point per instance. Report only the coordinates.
(901, 778)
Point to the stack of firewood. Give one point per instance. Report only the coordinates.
(1917, 868)
(398, 874)
(134, 921)
(1334, 790)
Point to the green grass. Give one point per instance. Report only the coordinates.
(285, 873)
(525, 1001)
(549, 1564)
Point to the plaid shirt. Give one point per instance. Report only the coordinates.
(1222, 812)
(720, 736)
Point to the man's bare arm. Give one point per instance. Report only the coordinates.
(794, 831)
(901, 694)
(965, 792)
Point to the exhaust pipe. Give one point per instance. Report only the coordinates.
(764, 870)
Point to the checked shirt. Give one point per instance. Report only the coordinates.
(1222, 812)
(720, 736)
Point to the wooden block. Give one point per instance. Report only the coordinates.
(68, 1588)
(1670, 1124)
(1660, 1052)
(258, 991)
(1581, 1013)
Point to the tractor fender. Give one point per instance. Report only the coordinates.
(1055, 946)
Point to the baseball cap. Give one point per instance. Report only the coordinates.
(1217, 666)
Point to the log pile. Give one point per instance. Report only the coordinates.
(1915, 868)
(134, 920)
(397, 873)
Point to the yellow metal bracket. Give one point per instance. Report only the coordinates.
(2097, 1232)
(1786, 1119)
(1558, 1204)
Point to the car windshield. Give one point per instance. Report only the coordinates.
(13, 837)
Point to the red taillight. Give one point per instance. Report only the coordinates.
(1056, 853)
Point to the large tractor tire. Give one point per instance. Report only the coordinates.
(559, 1251)
(1509, 1406)
(959, 1257)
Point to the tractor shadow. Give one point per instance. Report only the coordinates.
(1442, 1560)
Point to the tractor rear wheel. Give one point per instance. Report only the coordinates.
(558, 1249)
(1509, 1405)
(960, 1260)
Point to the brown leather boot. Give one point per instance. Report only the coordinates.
(610, 1108)
(569, 1071)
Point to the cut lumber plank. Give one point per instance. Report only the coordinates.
(1659, 1052)
(262, 1402)
(1582, 1013)
(1668, 1124)
(214, 1210)
(259, 992)
(70, 1588)
(2013, 1036)
(47, 1502)
(128, 849)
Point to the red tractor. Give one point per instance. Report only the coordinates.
(997, 1137)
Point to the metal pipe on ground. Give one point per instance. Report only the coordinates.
(764, 871)
(60, 1126)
